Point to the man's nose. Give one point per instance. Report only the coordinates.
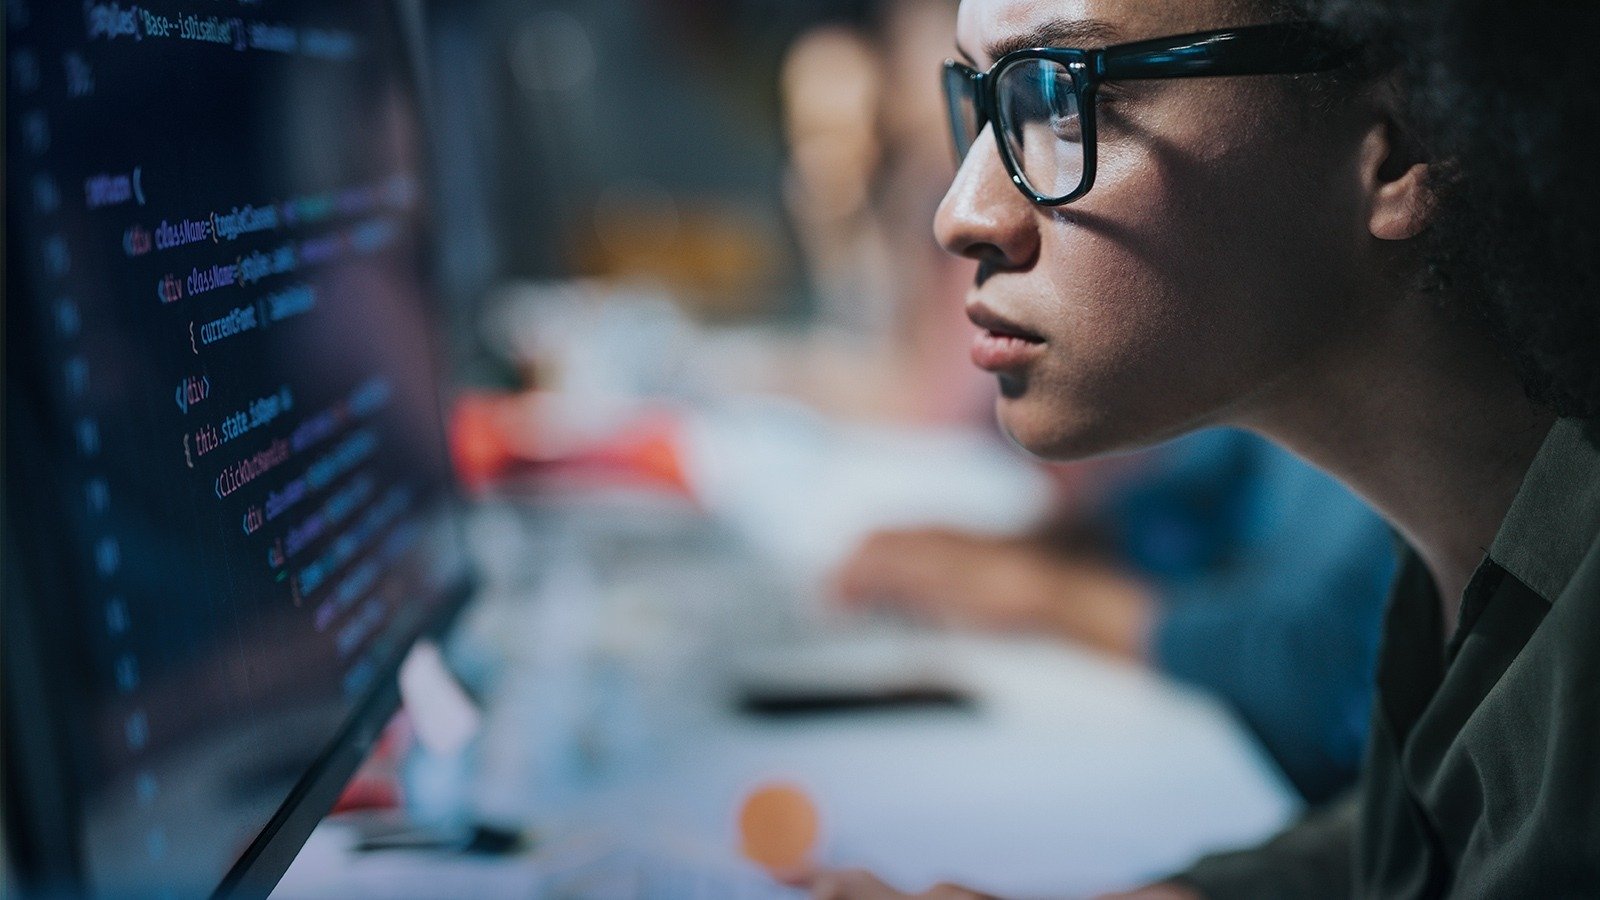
(983, 216)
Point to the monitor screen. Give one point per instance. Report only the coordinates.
(229, 505)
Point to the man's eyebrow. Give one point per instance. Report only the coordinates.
(1077, 33)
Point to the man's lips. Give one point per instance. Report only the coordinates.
(1001, 344)
(994, 323)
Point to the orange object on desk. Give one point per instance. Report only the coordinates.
(778, 828)
(494, 437)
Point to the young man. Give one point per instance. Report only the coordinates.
(1368, 231)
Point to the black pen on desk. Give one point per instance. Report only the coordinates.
(478, 840)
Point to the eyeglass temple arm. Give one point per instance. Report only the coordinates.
(1254, 50)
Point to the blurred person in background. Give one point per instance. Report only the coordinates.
(1220, 560)
(1341, 246)
(860, 184)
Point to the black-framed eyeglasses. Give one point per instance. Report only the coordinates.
(1041, 101)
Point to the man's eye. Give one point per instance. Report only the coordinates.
(1066, 126)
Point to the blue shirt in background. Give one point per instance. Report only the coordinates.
(1273, 579)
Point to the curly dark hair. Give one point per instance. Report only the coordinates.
(1506, 100)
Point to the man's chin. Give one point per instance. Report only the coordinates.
(1057, 434)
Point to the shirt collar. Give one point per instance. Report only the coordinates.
(1554, 520)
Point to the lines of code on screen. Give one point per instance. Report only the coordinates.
(217, 208)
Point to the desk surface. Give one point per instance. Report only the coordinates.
(609, 715)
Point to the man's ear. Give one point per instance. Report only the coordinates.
(1401, 201)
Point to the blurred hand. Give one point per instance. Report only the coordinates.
(858, 884)
(1001, 584)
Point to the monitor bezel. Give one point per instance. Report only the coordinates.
(262, 865)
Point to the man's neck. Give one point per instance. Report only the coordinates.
(1426, 421)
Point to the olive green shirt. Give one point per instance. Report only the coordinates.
(1482, 777)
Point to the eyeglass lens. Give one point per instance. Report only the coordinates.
(961, 94)
(1039, 119)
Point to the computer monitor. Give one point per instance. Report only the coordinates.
(228, 500)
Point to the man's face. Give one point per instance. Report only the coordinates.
(1219, 260)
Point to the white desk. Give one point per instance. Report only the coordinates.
(1073, 774)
